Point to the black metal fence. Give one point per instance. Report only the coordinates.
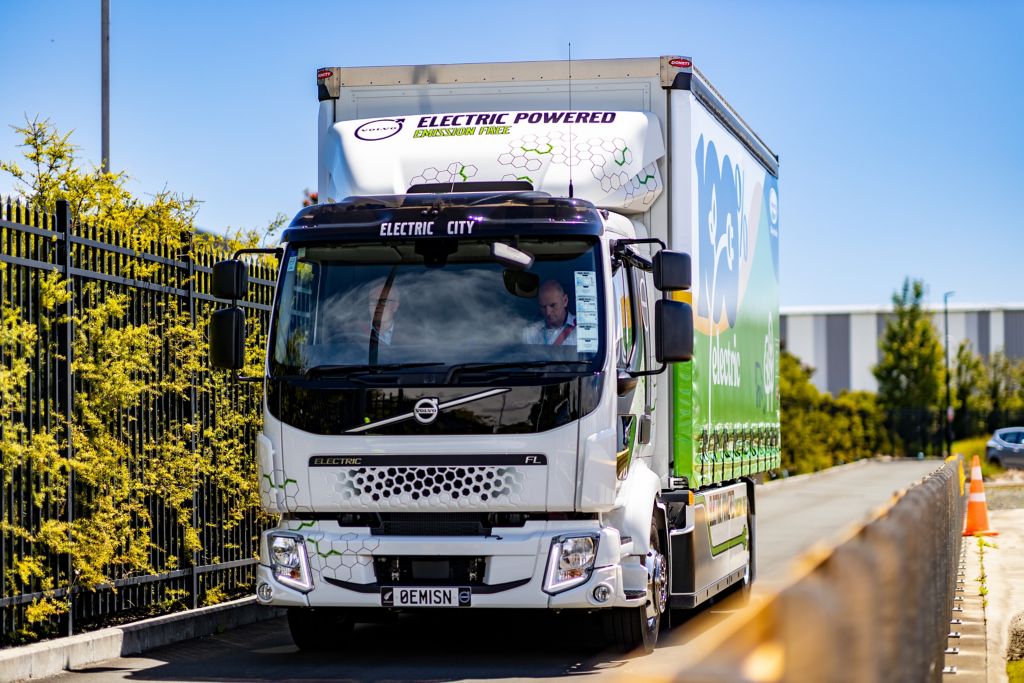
(923, 430)
(185, 562)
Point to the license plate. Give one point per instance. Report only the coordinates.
(425, 596)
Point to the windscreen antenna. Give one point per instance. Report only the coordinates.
(570, 121)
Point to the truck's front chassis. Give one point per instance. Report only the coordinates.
(543, 563)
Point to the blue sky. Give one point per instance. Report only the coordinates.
(898, 124)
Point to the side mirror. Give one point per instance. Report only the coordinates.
(673, 331)
(227, 338)
(672, 271)
(230, 280)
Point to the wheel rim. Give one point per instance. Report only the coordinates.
(657, 586)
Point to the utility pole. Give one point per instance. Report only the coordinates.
(948, 429)
(105, 82)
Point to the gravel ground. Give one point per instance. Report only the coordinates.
(1005, 497)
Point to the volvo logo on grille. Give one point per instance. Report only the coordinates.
(425, 410)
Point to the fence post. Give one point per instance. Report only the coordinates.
(190, 288)
(66, 382)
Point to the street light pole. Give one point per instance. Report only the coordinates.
(105, 83)
(948, 431)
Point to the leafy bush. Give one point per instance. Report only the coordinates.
(819, 431)
(126, 367)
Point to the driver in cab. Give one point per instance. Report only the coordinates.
(383, 301)
(558, 328)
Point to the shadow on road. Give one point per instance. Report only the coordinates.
(435, 646)
(440, 646)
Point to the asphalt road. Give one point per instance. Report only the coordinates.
(792, 516)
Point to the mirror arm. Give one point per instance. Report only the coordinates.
(273, 251)
(619, 252)
(619, 244)
(245, 378)
(648, 373)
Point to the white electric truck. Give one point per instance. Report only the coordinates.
(523, 354)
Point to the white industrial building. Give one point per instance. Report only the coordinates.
(841, 342)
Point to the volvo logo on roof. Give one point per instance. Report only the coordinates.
(380, 129)
(425, 411)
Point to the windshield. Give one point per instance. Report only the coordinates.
(438, 305)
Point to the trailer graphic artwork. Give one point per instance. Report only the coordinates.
(606, 160)
(611, 156)
(735, 369)
(722, 229)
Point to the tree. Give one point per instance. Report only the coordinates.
(860, 421)
(969, 401)
(819, 431)
(53, 172)
(1004, 390)
(910, 371)
(803, 449)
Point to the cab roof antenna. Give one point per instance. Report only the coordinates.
(570, 147)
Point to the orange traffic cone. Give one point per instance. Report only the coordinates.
(976, 523)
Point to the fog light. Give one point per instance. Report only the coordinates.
(602, 593)
(264, 592)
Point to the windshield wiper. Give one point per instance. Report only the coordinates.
(346, 370)
(454, 370)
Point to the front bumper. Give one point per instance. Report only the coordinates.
(342, 566)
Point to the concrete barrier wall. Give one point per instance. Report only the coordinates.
(875, 606)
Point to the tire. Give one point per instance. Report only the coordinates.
(635, 629)
(318, 629)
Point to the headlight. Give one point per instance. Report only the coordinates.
(289, 562)
(570, 562)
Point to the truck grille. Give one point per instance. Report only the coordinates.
(443, 523)
(422, 484)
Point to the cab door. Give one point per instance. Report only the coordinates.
(635, 394)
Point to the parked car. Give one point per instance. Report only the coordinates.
(1006, 447)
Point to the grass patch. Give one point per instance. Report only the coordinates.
(969, 447)
(990, 471)
(983, 578)
(976, 446)
(1015, 671)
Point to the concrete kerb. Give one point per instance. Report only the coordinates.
(51, 657)
(1005, 580)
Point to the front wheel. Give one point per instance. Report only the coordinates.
(636, 628)
(315, 629)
